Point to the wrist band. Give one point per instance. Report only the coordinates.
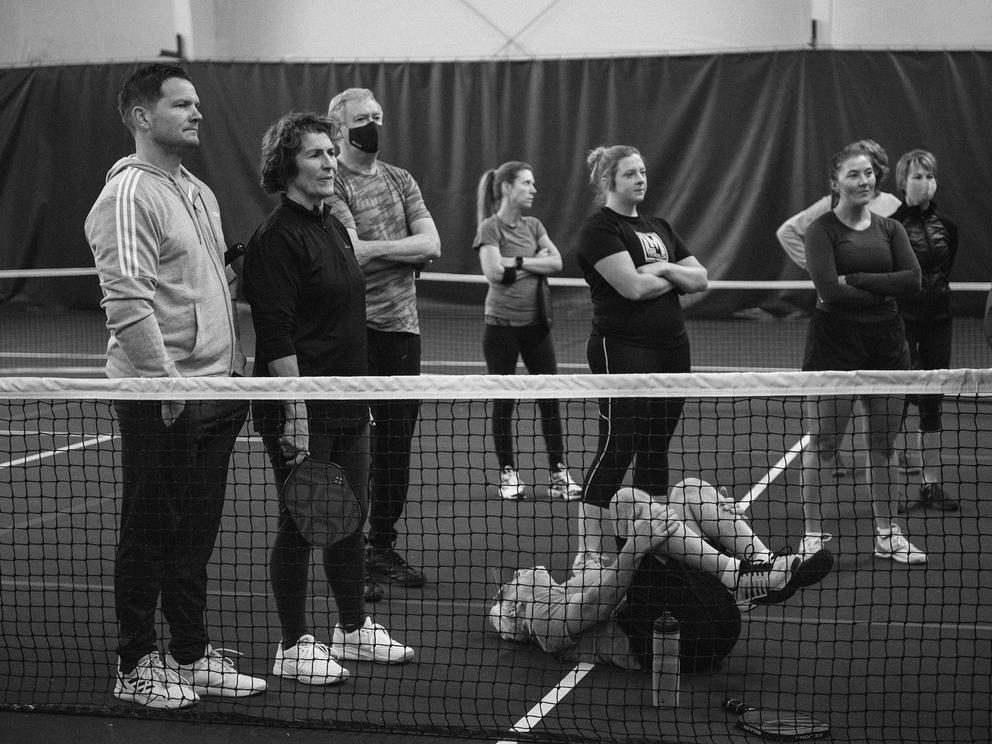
(509, 275)
(520, 262)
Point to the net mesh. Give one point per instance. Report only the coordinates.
(881, 650)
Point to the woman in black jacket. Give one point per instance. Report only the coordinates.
(934, 238)
(307, 295)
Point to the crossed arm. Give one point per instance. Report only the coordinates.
(422, 246)
(653, 279)
(547, 260)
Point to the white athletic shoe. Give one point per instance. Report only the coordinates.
(215, 674)
(894, 545)
(371, 642)
(309, 662)
(755, 581)
(152, 685)
(562, 485)
(510, 486)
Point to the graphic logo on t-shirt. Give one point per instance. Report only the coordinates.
(654, 247)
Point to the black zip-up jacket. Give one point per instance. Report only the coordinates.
(307, 296)
(934, 238)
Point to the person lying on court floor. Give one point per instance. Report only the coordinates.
(604, 612)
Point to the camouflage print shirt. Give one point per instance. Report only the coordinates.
(382, 206)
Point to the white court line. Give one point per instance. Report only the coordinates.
(52, 517)
(52, 453)
(776, 470)
(549, 701)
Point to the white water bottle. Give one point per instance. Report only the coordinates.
(665, 661)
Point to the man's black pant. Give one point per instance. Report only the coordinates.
(174, 479)
(394, 422)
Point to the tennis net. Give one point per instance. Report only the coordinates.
(880, 650)
(56, 326)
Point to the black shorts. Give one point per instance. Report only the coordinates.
(709, 619)
(833, 343)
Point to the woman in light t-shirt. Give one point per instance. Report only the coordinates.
(517, 255)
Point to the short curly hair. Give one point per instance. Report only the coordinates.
(281, 144)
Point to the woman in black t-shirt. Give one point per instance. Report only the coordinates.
(636, 267)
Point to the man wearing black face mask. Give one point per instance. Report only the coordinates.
(393, 233)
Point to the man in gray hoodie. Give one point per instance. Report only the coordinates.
(156, 236)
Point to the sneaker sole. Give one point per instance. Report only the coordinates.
(385, 577)
(812, 570)
(155, 703)
(228, 692)
(808, 572)
(900, 558)
(349, 655)
(307, 680)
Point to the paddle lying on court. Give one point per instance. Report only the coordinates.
(776, 724)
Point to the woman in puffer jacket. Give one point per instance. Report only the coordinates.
(934, 238)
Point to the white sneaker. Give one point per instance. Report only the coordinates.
(309, 662)
(371, 642)
(510, 486)
(152, 685)
(215, 674)
(755, 581)
(562, 485)
(894, 545)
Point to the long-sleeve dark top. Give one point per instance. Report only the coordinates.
(878, 265)
(934, 239)
(307, 296)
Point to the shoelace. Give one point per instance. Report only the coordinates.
(160, 672)
(221, 654)
(897, 540)
(753, 579)
(318, 646)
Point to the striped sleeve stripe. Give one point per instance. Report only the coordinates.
(127, 232)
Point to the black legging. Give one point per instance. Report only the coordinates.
(929, 342)
(344, 562)
(709, 619)
(629, 427)
(502, 345)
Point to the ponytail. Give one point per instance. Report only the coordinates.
(486, 203)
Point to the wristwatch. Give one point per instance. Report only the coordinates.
(520, 262)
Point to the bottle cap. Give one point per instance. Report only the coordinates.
(666, 623)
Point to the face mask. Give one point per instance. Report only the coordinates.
(366, 137)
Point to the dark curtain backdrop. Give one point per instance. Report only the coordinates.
(734, 144)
